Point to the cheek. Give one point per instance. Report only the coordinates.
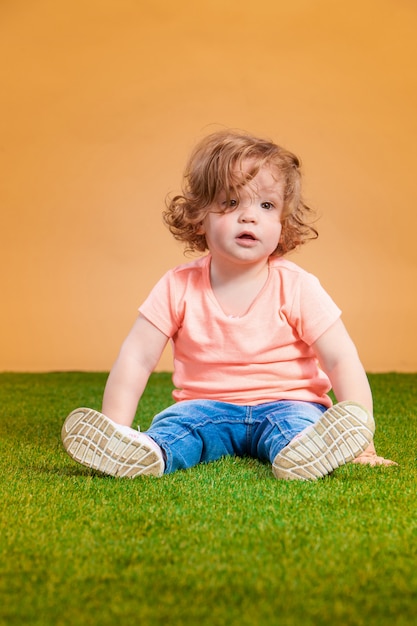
(218, 226)
(276, 233)
(276, 227)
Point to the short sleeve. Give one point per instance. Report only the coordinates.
(313, 310)
(159, 307)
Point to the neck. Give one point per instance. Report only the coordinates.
(222, 274)
(236, 288)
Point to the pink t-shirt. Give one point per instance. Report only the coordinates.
(263, 356)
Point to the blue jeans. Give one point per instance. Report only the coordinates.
(199, 431)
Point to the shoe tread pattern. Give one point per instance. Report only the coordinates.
(93, 440)
(339, 436)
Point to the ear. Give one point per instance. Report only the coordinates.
(201, 230)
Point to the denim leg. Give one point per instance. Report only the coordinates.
(197, 431)
(277, 423)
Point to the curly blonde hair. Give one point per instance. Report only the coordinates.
(215, 166)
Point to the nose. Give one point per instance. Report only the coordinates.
(247, 213)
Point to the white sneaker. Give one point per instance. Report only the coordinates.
(97, 442)
(339, 436)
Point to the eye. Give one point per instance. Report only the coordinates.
(231, 204)
(267, 205)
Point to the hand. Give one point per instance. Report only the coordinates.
(371, 458)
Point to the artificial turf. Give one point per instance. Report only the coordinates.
(220, 544)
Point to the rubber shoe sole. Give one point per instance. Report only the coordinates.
(95, 441)
(339, 436)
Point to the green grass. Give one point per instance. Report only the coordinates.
(221, 544)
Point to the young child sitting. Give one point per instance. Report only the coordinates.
(257, 342)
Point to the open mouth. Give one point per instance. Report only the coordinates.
(247, 236)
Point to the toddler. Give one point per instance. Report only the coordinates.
(257, 342)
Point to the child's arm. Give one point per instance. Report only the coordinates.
(129, 375)
(339, 358)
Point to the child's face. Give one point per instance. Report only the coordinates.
(250, 232)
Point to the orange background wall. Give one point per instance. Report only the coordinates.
(101, 103)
